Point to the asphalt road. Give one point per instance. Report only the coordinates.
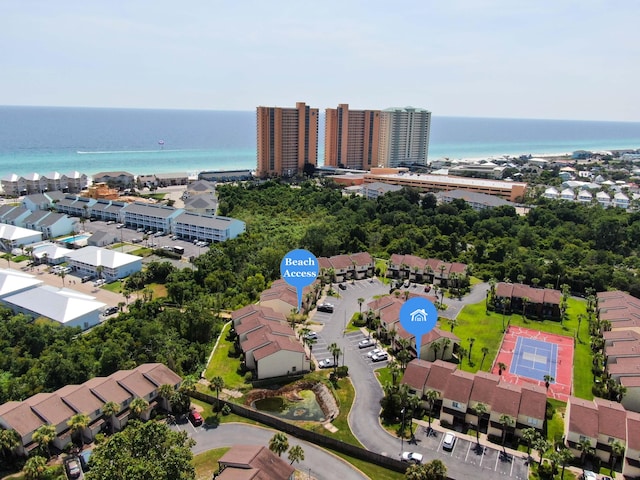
(318, 463)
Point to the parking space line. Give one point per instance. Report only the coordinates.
(513, 460)
(468, 450)
(482, 457)
(495, 467)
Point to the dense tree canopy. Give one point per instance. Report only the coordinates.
(143, 451)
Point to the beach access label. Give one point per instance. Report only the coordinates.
(418, 316)
(299, 268)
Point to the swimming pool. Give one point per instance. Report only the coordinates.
(74, 239)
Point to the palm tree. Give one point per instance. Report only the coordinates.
(138, 406)
(296, 454)
(530, 435)
(395, 370)
(617, 451)
(279, 443)
(445, 344)
(188, 384)
(217, 384)
(435, 470)
(435, 346)
(548, 379)
(99, 270)
(485, 352)
(35, 468)
(453, 323)
(431, 396)
(44, 436)
(506, 421)
(360, 302)
(334, 350)
(481, 410)
(471, 342)
(565, 456)
(501, 367)
(62, 275)
(77, 424)
(416, 471)
(541, 445)
(585, 446)
(111, 409)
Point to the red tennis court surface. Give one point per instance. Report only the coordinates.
(560, 389)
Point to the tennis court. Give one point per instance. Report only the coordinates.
(530, 355)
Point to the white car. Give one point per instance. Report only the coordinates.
(412, 457)
(380, 357)
(449, 441)
(367, 342)
(375, 351)
(326, 363)
(589, 475)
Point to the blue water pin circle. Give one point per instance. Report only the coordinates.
(299, 268)
(418, 316)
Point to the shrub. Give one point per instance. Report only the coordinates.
(342, 371)
(226, 409)
(248, 377)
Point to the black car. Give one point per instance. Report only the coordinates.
(342, 286)
(111, 311)
(325, 307)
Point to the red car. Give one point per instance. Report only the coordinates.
(195, 418)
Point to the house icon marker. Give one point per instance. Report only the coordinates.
(419, 315)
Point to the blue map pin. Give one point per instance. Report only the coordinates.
(418, 316)
(299, 268)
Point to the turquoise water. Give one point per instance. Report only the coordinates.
(91, 140)
(73, 239)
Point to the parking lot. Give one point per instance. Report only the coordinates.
(487, 459)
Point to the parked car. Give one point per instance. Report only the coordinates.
(367, 342)
(380, 357)
(326, 363)
(449, 441)
(120, 225)
(325, 307)
(86, 278)
(73, 467)
(85, 455)
(343, 286)
(375, 351)
(110, 311)
(427, 288)
(589, 475)
(311, 336)
(195, 418)
(412, 457)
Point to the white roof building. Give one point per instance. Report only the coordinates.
(13, 281)
(114, 264)
(68, 307)
(12, 236)
(52, 252)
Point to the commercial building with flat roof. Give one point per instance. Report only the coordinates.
(351, 137)
(210, 228)
(512, 191)
(404, 136)
(287, 140)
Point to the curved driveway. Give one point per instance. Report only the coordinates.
(318, 463)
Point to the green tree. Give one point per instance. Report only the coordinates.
(395, 370)
(142, 451)
(296, 454)
(585, 447)
(109, 410)
(565, 457)
(217, 384)
(279, 443)
(507, 421)
(9, 439)
(471, 342)
(530, 435)
(44, 436)
(431, 396)
(541, 445)
(485, 352)
(138, 406)
(35, 468)
(436, 470)
(548, 379)
(617, 451)
(481, 410)
(77, 424)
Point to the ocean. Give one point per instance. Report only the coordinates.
(91, 140)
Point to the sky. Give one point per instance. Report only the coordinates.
(556, 59)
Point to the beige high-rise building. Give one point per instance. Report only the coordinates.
(404, 136)
(351, 138)
(287, 140)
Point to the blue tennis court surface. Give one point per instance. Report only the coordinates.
(534, 359)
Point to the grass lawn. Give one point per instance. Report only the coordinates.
(207, 462)
(555, 426)
(114, 287)
(486, 328)
(533, 473)
(224, 366)
(371, 470)
(384, 375)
